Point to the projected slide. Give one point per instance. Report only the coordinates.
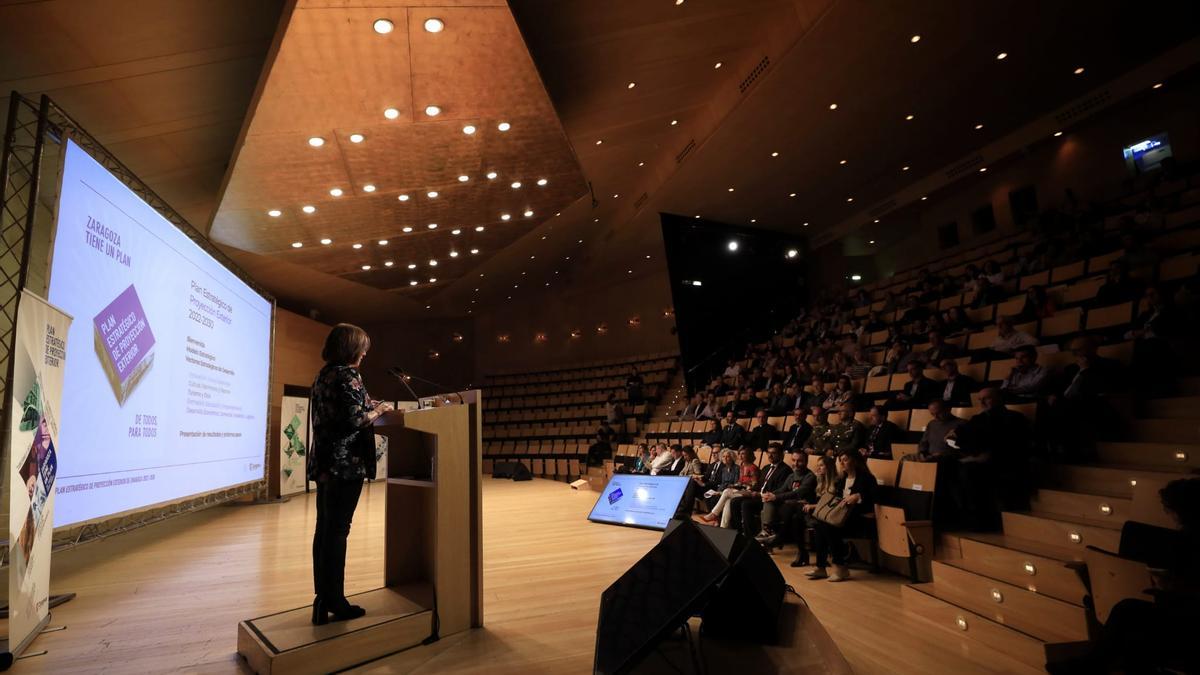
(639, 501)
(167, 359)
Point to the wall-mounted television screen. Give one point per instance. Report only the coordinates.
(1147, 154)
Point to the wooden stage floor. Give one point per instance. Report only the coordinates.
(167, 597)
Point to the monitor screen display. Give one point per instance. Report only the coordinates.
(639, 501)
(1147, 154)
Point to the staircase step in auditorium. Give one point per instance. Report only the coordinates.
(1039, 615)
(1110, 480)
(1181, 407)
(1165, 431)
(1159, 456)
(1058, 530)
(1032, 565)
(971, 627)
(1081, 505)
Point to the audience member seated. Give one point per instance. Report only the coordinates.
(662, 458)
(1027, 380)
(676, 465)
(939, 350)
(821, 440)
(989, 293)
(693, 409)
(918, 391)
(733, 436)
(856, 487)
(1009, 338)
(711, 409)
(993, 470)
(722, 474)
(613, 412)
(763, 434)
(779, 402)
(1117, 287)
(633, 388)
(933, 446)
(772, 478)
(1153, 333)
(816, 394)
(956, 388)
(842, 393)
(644, 457)
(1077, 412)
(1038, 304)
(849, 435)
(797, 434)
(881, 434)
(747, 479)
(780, 506)
(601, 449)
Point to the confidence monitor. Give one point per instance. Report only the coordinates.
(639, 500)
(165, 390)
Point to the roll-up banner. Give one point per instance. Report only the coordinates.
(293, 439)
(35, 392)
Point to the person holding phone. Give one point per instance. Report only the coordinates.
(341, 458)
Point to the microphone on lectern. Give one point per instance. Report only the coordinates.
(397, 373)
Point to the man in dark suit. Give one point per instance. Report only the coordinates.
(919, 390)
(677, 462)
(993, 462)
(881, 435)
(733, 436)
(763, 434)
(772, 478)
(939, 350)
(797, 434)
(956, 388)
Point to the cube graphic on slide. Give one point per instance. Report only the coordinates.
(124, 342)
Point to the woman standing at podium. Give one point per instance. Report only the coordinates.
(342, 456)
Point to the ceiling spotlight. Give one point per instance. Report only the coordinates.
(403, 198)
(855, 277)
(453, 254)
(368, 188)
(366, 267)
(775, 154)
(474, 251)
(469, 129)
(383, 26)
(843, 162)
(791, 194)
(924, 198)
(871, 242)
(678, 2)
(754, 220)
(388, 263)
(732, 245)
(528, 213)
(876, 220)
(456, 232)
(909, 117)
(356, 246)
(308, 208)
(1079, 70)
(1057, 134)
(316, 141)
(730, 189)
(1001, 56)
(432, 280)
(833, 106)
(983, 169)
(432, 226)
(433, 110)
(978, 127)
(412, 283)
(599, 141)
(479, 228)
(516, 185)
(641, 164)
(407, 229)
(391, 113)
(434, 25)
(504, 126)
(1157, 85)
(717, 65)
(326, 241)
(464, 178)
(904, 168)
(631, 85)
(805, 224)
(915, 39)
(542, 182)
(274, 213)
(433, 263)
(432, 194)
(792, 253)
(849, 199)
(383, 242)
(674, 122)
(491, 175)
(616, 196)
(296, 244)
(412, 266)
(356, 138)
(504, 216)
(336, 192)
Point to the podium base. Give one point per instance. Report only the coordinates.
(286, 642)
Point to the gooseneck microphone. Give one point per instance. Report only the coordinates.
(399, 375)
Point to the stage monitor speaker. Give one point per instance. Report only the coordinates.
(513, 470)
(655, 596)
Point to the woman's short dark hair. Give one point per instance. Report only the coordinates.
(344, 344)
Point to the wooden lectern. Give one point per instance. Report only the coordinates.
(433, 572)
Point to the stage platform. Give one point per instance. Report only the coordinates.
(167, 597)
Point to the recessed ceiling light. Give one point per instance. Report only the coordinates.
(456, 231)
(805, 224)
(915, 39)
(403, 198)
(775, 154)
(336, 192)
(674, 122)
(366, 267)
(983, 169)
(528, 213)
(1001, 56)
(599, 141)
(432, 280)
(356, 246)
(732, 246)
(407, 229)
(978, 127)
(412, 283)
(433, 263)
(432, 226)
(504, 126)
(383, 242)
(729, 189)
(1157, 85)
(904, 168)
(388, 263)
(296, 244)
(631, 85)
(516, 185)
(412, 266)
(753, 220)
(910, 117)
(855, 277)
(491, 175)
(1057, 134)
(641, 164)
(274, 213)
(326, 241)
(469, 129)
(479, 228)
(678, 2)
(833, 106)
(717, 65)
(616, 196)
(1079, 70)
(434, 25)
(504, 216)
(464, 178)
(356, 138)
(368, 188)
(433, 110)
(432, 194)
(383, 26)
(316, 141)
(792, 253)
(542, 182)
(871, 242)
(843, 162)
(924, 198)
(849, 199)
(453, 254)
(391, 113)
(791, 194)
(308, 208)
(876, 220)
